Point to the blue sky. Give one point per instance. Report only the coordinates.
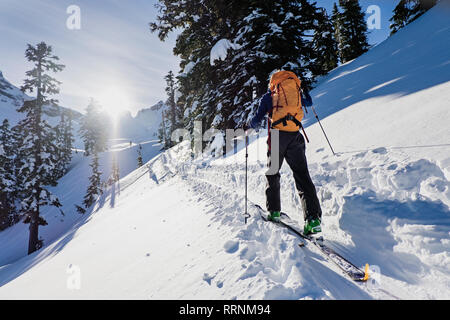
(386, 8)
(114, 57)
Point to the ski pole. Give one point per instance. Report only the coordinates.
(318, 120)
(246, 215)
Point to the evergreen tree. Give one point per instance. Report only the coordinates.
(407, 11)
(36, 150)
(171, 118)
(352, 31)
(338, 34)
(60, 166)
(140, 161)
(262, 36)
(68, 138)
(324, 44)
(203, 24)
(272, 36)
(171, 103)
(8, 214)
(164, 130)
(94, 189)
(92, 130)
(64, 141)
(94, 136)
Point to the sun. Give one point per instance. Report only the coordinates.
(114, 102)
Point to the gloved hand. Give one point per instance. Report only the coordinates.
(246, 126)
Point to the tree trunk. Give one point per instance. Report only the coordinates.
(34, 223)
(34, 233)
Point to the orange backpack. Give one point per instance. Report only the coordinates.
(287, 112)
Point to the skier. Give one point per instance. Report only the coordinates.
(283, 103)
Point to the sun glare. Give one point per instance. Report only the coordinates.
(114, 102)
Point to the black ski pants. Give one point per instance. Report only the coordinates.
(292, 148)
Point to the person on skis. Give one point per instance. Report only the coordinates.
(283, 103)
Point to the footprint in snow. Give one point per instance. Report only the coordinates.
(208, 278)
(231, 246)
(381, 150)
(392, 167)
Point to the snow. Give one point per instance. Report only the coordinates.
(220, 50)
(188, 68)
(174, 228)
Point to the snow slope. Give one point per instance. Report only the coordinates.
(141, 129)
(10, 97)
(174, 228)
(70, 191)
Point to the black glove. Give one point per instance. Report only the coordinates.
(246, 126)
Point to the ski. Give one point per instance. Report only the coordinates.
(355, 273)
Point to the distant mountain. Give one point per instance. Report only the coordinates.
(143, 127)
(11, 98)
(8, 91)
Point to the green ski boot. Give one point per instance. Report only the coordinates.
(312, 227)
(274, 216)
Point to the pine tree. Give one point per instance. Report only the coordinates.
(92, 130)
(171, 103)
(261, 37)
(94, 190)
(140, 161)
(324, 45)
(171, 118)
(353, 40)
(164, 130)
(68, 138)
(338, 34)
(407, 11)
(94, 136)
(64, 141)
(8, 215)
(59, 170)
(272, 36)
(37, 150)
(203, 23)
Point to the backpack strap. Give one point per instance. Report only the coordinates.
(284, 92)
(284, 120)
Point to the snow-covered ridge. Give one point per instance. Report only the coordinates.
(144, 126)
(11, 98)
(7, 90)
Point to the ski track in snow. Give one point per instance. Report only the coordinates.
(367, 218)
(376, 209)
(380, 207)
